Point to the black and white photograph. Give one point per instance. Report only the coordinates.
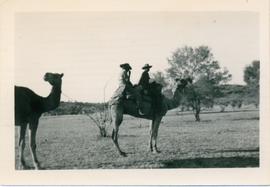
(138, 90)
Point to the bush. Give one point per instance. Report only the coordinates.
(74, 108)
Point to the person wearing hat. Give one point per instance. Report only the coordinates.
(124, 83)
(126, 87)
(151, 90)
(144, 80)
(125, 75)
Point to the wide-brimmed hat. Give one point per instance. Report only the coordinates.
(146, 66)
(125, 66)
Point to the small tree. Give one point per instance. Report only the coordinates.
(222, 102)
(100, 119)
(239, 104)
(252, 79)
(231, 94)
(200, 93)
(198, 64)
(99, 114)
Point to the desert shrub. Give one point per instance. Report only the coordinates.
(101, 119)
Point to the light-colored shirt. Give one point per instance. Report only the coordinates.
(124, 77)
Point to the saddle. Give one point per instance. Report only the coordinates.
(145, 94)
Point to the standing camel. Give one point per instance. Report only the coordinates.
(28, 108)
(128, 106)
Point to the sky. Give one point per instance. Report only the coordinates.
(88, 47)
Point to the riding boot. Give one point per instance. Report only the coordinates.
(139, 104)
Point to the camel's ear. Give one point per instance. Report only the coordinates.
(190, 80)
(62, 74)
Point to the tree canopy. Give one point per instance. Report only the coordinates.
(252, 73)
(252, 79)
(196, 63)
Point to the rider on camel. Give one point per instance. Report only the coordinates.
(126, 87)
(144, 80)
(151, 89)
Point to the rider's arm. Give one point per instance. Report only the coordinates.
(125, 77)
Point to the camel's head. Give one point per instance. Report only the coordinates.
(182, 83)
(54, 78)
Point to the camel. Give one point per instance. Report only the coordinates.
(29, 107)
(128, 106)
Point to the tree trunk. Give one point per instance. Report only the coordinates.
(102, 131)
(197, 116)
(197, 109)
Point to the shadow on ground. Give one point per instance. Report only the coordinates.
(224, 162)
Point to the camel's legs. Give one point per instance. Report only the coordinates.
(117, 119)
(156, 123)
(22, 130)
(115, 140)
(151, 126)
(32, 139)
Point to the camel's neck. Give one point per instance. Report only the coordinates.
(53, 100)
(175, 101)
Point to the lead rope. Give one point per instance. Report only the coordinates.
(69, 98)
(73, 100)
